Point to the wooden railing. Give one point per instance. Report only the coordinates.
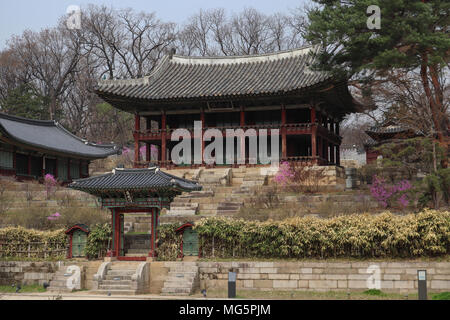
(169, 164)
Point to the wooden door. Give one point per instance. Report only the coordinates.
(79, 243)
(190, 242)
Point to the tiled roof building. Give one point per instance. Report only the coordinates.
(33, 148)
(279, 90)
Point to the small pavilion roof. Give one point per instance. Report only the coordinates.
(136, 181)
(390, 131)
(51, 137)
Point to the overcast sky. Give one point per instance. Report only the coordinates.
(19, 15)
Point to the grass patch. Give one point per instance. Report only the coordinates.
(441, 296)
(24, 289)
(375, 292)
(307, 295)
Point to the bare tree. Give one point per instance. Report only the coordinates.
(51, 57)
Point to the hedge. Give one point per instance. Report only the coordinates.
(358, 236)
(29, 243)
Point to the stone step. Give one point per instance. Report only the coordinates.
(116, 282)
(185, 274)
(183, 203)
(114, 287)
(120, 278)
(116, 292)
(176, 291)
(177, 284)
(183, 270)
(123, 266)
(136, 255)
(120, 273)
(182, 213)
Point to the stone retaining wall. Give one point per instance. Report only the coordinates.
(26, 273)
(326, 276)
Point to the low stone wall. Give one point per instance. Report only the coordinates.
(26, 273)
(326, 276)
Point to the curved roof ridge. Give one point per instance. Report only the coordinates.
(245, 58)
(85, 141)
(47, 123)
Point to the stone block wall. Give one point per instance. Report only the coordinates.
(26, 273)
(326, 276)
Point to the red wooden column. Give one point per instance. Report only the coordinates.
(313, 133)
(153, 236)
(137, 130)
(242, 142)
(326, 144)
(163, 138)
(202, 119)
(283, 132)
(117, 232)
(113, 236)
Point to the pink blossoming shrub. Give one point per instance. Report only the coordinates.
(387, 195)
(54, 216)
(284, 175)
(50, 184)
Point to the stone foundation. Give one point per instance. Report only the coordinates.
(326, 276)
(26, 273)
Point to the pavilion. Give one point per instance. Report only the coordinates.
(265, 91)
(134, 191)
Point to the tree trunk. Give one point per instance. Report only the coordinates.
(435, 104)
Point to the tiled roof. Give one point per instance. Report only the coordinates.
(51, 136)
(387, 129)
(134, 179)
(181, 77)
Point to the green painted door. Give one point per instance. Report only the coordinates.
(78, 243)
(190, 242)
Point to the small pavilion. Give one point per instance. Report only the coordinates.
(134, 191)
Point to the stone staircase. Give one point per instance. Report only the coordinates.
(224, 191)
(121, 278)
(182, 279)
(58, 284)
(183, 207)
(215, 177)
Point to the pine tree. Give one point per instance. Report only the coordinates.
(413, 35)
